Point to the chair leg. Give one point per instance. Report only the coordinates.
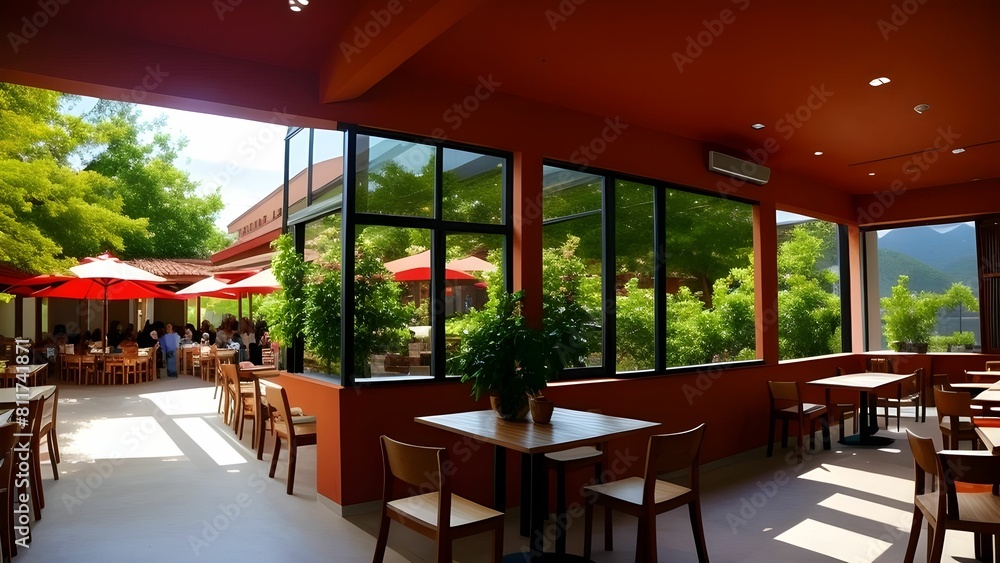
(274, 456)
(911, 545)
(699, 531)
(938, 546)
(560, 508)
(55, 443)
(498, 542)
(443, 548)
(53, 459)
(383, 536)
(609, 532)
(292, 451)
(588, 528)
(825, 427)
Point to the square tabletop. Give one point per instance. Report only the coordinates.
(990, 437)
(568, 429)
(9, 396)
(989, 397)
(865, 381)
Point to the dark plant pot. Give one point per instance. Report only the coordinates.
(917, 347)
(516, 410)
(541, 410)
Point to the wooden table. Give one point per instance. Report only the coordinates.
(9, 396)
(991, 437)
(990, 397)
(974, 376)
(35, 374)
(865, 383)
(568, 429)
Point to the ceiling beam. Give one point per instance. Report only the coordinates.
(381, 37)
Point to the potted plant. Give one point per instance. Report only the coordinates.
(505, 358)
(910, 318)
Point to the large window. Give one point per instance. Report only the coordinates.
(809, 289)
(677, 272)
(927, 288)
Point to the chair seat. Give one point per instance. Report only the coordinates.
(807, 408)
(972, 507)
(304, 429)
(425, 509)
(575, 454)
(630, 490)
(962, 424)
(299, 420)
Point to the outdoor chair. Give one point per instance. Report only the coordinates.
(296, 431)
(949, 508)
(908, 393)
(646, 497)
(787, 406)
(433, 511)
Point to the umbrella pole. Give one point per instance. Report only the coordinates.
(239, 309)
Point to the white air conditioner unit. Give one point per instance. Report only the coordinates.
(742, 169)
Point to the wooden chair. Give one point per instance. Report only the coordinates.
(952, 406)
(879, 365)
(207, 364)
(7, 494)
(993, 366)
(295, 431)
(786, 405)
(47, 434)
(434, 512)
(908, 393)
(948, 509)
(241, 401)
(130, 361)
(88, 369)
(648, 496)
(845, 411)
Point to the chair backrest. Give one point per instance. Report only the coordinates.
(673, 452)
(993, 366)
(941, 380)
(913, 384)
(784, 394)
(281, 412)
(229, 375)
(49, 407)
(880, 365)
(7, 441)
(952, 403)
(925, 461)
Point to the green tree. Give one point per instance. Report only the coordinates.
(52, 214)
(808, 307)
(380, 317)
(139, 160)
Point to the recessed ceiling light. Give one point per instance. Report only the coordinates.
(871, 173)
(959, 150)
(879, 81)
(757, 126)
(921, 108)
(296, 5)
(818, 153)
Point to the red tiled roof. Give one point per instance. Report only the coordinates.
(173, 268)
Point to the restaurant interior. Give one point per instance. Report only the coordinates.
(868, 117)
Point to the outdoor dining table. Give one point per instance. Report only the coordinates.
(866, 383)
(567, 429)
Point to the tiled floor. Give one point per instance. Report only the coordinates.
(149, 473)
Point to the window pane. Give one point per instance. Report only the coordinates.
(472, 187)
(328, 164)
(392, 302)
(298, 170)
(928, 285)
(710, 279)
(634, 269)
(474, 272)
(322, 316)
(571, 264)
(395, 177)
(809, 322)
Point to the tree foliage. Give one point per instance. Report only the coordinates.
(910, 317)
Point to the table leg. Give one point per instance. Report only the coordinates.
(869, 425)
(525, 495)
(499, 478)
(539, 502)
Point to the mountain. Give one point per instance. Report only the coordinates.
(891, 264)
(942, 251)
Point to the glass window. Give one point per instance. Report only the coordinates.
(473, 273)
(928, 287)
(472, 187)
(710, 279)
(571, 263)
(392, 273)
(809, 319)
(395, 177)
(298, 169)
(322, 291)
(327, 165)
(635, 263)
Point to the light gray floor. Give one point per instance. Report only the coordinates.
(136, 486)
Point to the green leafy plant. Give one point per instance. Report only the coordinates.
(505, 357)
(380, 316)
(910, 317)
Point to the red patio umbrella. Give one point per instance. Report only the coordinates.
(424, 274)
(28, 286)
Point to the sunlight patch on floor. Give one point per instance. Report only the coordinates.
(184, 402)
(900, 519)
(838, 543)
(131, 437)
(863, 481)
(209, 440)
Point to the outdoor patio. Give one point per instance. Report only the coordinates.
(176, 485)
